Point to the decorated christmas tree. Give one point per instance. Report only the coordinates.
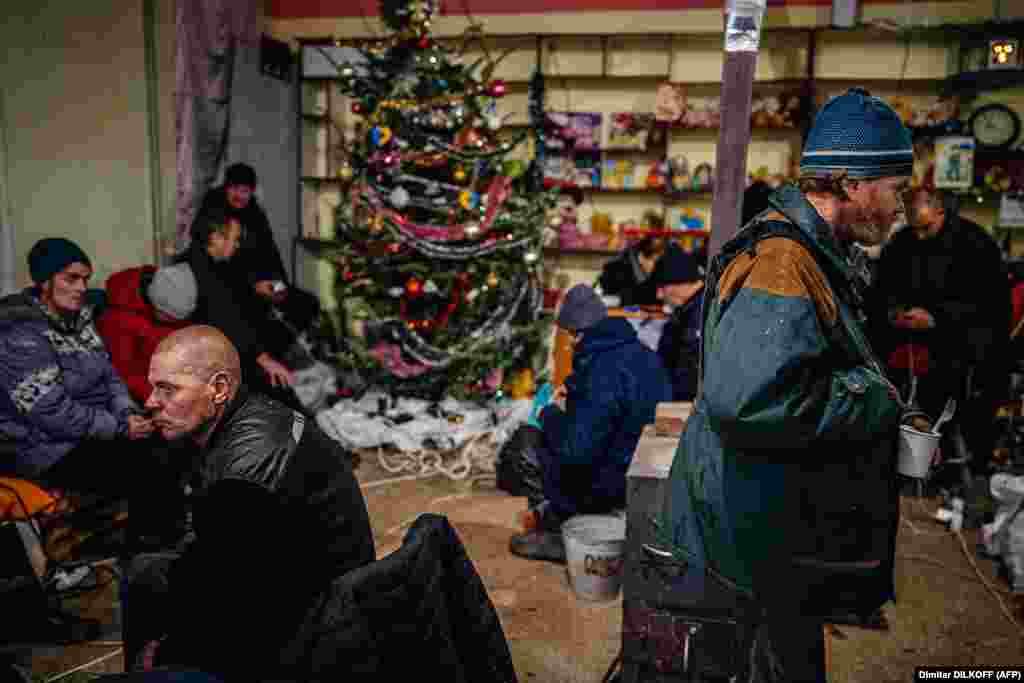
(439, 231)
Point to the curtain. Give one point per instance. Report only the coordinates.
(210, 33)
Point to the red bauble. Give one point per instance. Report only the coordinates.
(394, 247)
(413, 287)
(497, 88)
(424, 43)
(357, 107)
(348, 276)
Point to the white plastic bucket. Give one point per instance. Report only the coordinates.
(594, 552)
(916, 451)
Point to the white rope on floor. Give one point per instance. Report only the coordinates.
(476, 454)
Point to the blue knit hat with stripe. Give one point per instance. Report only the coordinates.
(860, 135)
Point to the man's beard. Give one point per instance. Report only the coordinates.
(867, 234)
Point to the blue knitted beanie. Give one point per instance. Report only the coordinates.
(860, 135)
(581, 308)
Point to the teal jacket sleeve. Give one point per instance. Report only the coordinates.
(772, 380)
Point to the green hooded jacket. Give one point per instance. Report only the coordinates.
(784, 481)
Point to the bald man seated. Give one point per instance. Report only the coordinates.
(277, 514)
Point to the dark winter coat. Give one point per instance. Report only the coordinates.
(679, 347)
(784, 481)
(130, 329)
(958, 276)
(278, 516)
(622, 277)
(421, 613)
(226, 301)
(258, 258)
(612, 393)
(57, 384)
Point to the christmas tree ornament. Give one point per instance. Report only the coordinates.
(472, 230)
(413, 287)
(399, 197)
(468, 200)
(430, 287)
(381, 135)
(459, 175)
(376, 224)
(492, 279)
(497, 88)
(530, 257)
(345, 171)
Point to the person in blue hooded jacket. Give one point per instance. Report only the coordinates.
(614, 388)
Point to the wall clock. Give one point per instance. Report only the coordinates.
(994, 125)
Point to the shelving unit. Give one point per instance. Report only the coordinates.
(621, 73)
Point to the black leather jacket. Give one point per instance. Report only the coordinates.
(278, 515)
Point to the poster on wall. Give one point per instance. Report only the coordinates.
(954, 163)
(1011, 211)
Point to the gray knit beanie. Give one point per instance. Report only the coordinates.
(173, 291)
(581, 309)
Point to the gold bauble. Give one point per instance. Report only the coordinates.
(492, 279)
(522, 385)
(459, 175)
(345, 172)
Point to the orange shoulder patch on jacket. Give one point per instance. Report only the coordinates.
(784, 268)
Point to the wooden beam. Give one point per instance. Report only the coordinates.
(742, 41)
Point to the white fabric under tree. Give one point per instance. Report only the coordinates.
(459, 439)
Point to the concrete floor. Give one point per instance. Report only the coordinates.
(945, 614)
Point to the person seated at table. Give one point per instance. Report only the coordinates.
(67, 421)
(145, 305)
(680, 283)
(627, 276)
(593, 426)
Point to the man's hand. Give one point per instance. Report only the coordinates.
(915, 318)
(139, 427)
(267, 290)
(920, 319)
(279, 375)
(558, 397)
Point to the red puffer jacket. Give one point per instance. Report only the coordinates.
(130, 329)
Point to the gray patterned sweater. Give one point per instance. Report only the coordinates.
(57, 384)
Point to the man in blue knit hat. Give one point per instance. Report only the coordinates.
(783, 498)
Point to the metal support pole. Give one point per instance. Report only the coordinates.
(742, 41)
